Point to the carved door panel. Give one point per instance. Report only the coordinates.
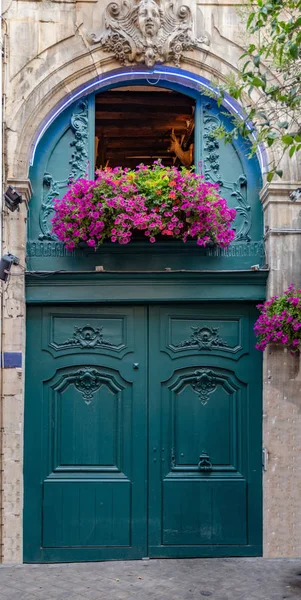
(85, 434)
(92, 373)
(205, 432)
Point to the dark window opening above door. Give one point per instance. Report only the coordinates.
(142, 124)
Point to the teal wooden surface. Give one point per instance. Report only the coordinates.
(121, 403)
(146, 287)
(85, 434)
(207, 391)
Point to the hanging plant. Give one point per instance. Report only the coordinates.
(156, 200)
(280, 321)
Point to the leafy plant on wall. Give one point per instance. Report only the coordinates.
(270, 64)
(155, 200)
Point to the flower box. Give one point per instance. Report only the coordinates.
(150, 203)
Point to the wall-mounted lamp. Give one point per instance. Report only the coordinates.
(12, 198)
(5, 265)
(295, 195)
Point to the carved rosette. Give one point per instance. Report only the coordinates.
(147, 31)
(204, 384)
(205, 338)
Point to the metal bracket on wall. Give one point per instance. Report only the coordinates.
(264, 459)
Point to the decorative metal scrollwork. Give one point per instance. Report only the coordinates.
(80, 127)
(204, 384)
(238, 188)
(79, 162)
(51, 190)
(243, 209)
(205, 338)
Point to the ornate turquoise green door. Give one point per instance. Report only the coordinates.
(205, 432)
(85, 434)
(142, 432)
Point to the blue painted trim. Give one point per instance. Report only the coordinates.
(173, 78)
(11, 360)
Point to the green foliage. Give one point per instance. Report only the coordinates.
(271, 64)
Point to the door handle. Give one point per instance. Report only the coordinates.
(205, 462)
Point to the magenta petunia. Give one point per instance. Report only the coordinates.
(156, 200)
(280, 321)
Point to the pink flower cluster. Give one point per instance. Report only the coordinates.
(280, 321)
(157, 200)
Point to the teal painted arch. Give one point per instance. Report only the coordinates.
(188, 82)
(65, 150)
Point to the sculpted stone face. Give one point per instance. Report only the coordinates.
(149, 20)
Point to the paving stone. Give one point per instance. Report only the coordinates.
(192, 579)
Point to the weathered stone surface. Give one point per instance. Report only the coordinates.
(148, 31)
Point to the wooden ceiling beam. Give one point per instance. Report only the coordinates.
(125, 116)
(138, 127)
(145, 99)
(143, 152)
(136, 142)
(137, 132)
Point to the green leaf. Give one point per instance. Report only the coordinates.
(293, 50)
(297, 23)
(256, 60)
(279, 172)
(250, 19)
(292, 151)
(287, 139)
(257, 82)
(270, 176)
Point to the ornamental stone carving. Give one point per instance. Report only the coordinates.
(147, 31)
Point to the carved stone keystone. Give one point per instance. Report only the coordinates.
(147, 31)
